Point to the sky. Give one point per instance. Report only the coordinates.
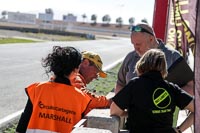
(138, 9)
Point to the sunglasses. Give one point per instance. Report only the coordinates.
(140, 29)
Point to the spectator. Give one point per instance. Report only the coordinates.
(55, 106)
(143, 38)
(151, 100)
(90, 69)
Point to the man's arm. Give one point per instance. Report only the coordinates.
(115, 110)
(121, 75)
(190, 119)
(96, 100)
(189, 87)
(117, 88)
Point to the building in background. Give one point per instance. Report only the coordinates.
(22, 18)
(46, 17)
(69, 18)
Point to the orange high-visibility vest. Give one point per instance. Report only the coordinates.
(56, 107)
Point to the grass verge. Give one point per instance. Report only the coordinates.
(102, 86)
(36, 37)
(15, 40)
(51, 37)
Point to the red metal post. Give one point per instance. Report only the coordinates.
(160, 18)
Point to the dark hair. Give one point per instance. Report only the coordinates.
(62, 61)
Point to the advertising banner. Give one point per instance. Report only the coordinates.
(181, 25)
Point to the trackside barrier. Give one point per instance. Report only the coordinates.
(100, 121)
(90, 130)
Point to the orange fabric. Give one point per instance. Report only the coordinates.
(96, 101)
(56, 107)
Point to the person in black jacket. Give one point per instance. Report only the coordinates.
(151, 100)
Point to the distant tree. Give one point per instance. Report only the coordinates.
(144, 20)
(49, 11)
(106, 19)
(94, 18)
(119, 21)
(131, 21)
(84, 17)
(4, 13)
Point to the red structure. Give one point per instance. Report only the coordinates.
(160, 17)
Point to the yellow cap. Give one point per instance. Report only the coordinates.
(95, 58)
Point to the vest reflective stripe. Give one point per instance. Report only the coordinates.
(56, 107)
(38, 131)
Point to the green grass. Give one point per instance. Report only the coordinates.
(51, 37)
(14, 40)
(10, 128)
(40, 36)
(102, 86)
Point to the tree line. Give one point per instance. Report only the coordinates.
(106, 19)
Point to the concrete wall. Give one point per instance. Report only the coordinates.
(100, 121)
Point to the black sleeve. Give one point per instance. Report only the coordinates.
(123, 98)
(180, 72)
(25, 117)
(182, 98)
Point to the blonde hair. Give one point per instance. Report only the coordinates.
(152, 60)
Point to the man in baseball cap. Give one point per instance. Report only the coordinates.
(90, 69)
(95, 58)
